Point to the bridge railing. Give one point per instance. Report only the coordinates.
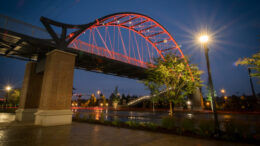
(21, 27)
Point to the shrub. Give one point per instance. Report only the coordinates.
(91, 117)
(116, 122)
(234, 131)
(102, 118)
(132, 124)
(151, 125)
(205, 128)
(77, 115)
(187, 125)
(168, 122)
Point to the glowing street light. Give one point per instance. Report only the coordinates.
(8, 88)
(204, 41)
(225, 97)
(223, 91)
(98, 92)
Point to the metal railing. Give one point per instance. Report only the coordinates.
(21, 27)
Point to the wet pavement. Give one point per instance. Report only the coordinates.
(81, 134)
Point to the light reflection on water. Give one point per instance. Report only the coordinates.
(156, 117)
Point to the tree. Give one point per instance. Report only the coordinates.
(104, 101)
(171, 79)
(93, 100)
(115, 96)
(14, 97)
(253, 63)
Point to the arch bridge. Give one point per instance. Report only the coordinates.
(121, 44)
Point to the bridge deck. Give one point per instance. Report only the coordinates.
(16, 45)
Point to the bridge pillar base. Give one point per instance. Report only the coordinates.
(53, 117)
(197, 100)
(30, 94)
(25, 115)
(56, 91)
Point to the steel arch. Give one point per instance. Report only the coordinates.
(160, 39)
(157, 40)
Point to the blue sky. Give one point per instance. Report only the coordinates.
(234, 25)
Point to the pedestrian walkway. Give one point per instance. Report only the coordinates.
(81, 134)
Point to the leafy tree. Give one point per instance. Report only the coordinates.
(123, 96)
(253, 63)
(171, 79)
(14, 96)
(93, 100)
(104, 101)
(115, 97)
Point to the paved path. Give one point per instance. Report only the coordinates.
(81, 134)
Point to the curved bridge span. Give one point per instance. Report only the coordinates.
(121, 44)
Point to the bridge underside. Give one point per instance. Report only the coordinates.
(15, 45)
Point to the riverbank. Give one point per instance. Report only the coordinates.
(84, 134)
(199, 129)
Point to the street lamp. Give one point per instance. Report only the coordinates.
(204, 40)
(225, 97)
(223, 91)
(98, 92)
(251, 83)
(8, 88)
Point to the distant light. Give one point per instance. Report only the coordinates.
(189, 102)
(242, 97)
(118, 21)
(204, 39)
(8, 88)
(98, 92)
(223, 91)
(207, 103)
(130, 22)
(189, 115)
(106, 104)
(71, 35)
(101, 104)
(165, 41)
(225, 97)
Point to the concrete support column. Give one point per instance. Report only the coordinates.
(56, 91)
(197, 100)
(30, 94)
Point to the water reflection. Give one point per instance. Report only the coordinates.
(156, 117)
(6, 117)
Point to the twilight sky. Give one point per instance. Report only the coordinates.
(234, 26)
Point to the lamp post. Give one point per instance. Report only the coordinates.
(8, 88)
(98, 92)
(251, 82)
(204, 39)
(223, 91)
